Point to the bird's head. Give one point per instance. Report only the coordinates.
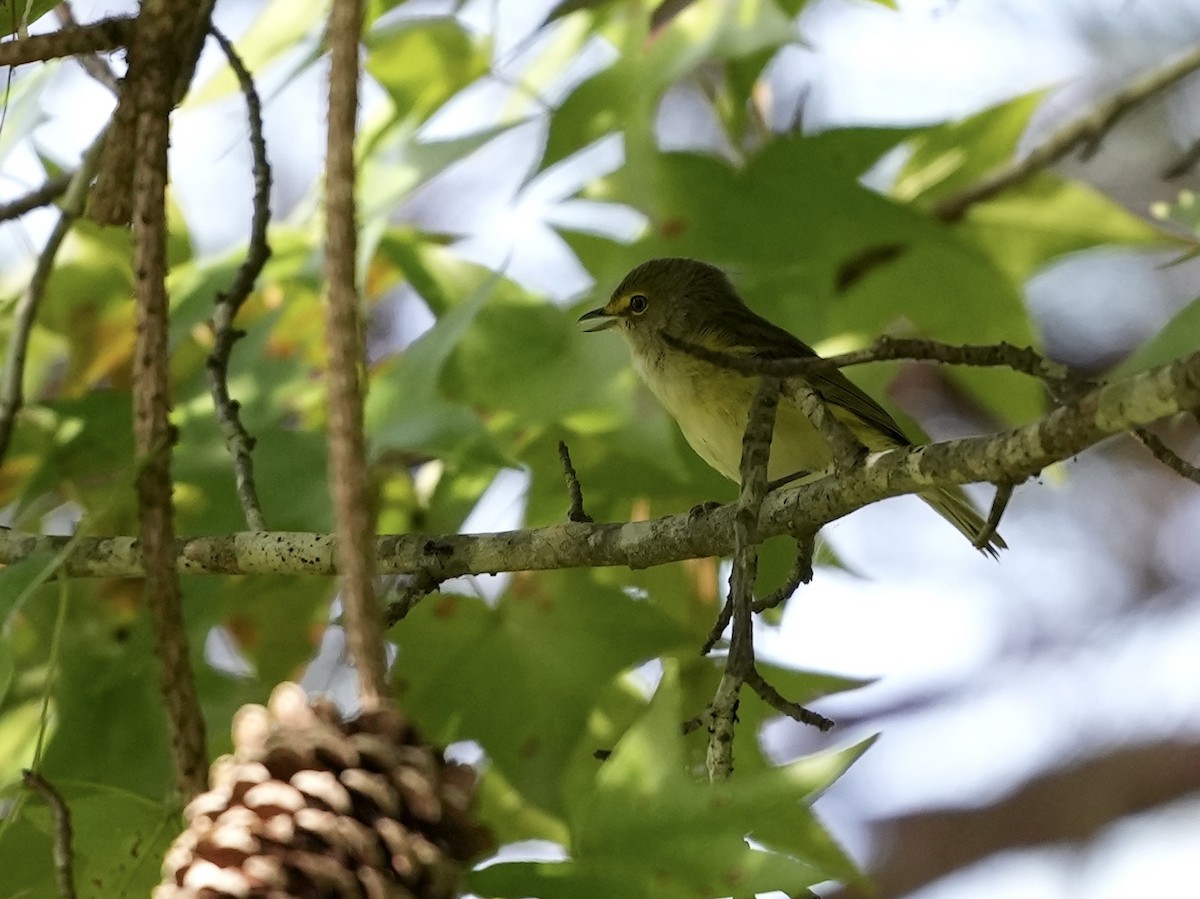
(683, 298)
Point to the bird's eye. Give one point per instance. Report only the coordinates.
(638, 303)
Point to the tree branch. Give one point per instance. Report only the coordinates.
(40, 196)
(154, 434)
(1086, 132)
(168, 35)
(1013, 455)
(60, 814)
(343, 330)
(238, 441)
(92, 63)
(1065, 806)
(756, 451)
(98, 37)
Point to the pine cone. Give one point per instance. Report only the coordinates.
(310, 806)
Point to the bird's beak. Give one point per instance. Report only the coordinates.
(597, 319)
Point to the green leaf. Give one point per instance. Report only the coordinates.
(522, 678)
(119, 840)
(18, 14)
(623, 97)
(85, 443)
(1030, 224)
(405, 409)
(650, 827)
(422, 63)
(947, 158)
(108, 685)
(1178, 337)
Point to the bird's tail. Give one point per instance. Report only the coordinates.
(954, 506)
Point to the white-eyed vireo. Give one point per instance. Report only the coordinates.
(695, 303)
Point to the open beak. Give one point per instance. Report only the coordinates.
(597, 320)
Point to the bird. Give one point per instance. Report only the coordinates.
(665, 302)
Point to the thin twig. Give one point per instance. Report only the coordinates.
(420, 585)
(40, 196)
(983, 540)
(238, 440)
(1085, 131)
(1166, 455)
(800, 573)
(92, 63)
(885, 349)
(848, 450)
(718, 629)
(154, 434)
(793, 710)
(97, 37)
(756, 451)
(60, 814)
(343, 328)
(12, 376)
(574, 489)
(1185, 162)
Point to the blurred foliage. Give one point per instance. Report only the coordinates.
(552, 672)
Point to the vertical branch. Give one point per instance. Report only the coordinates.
(228, 411)
(153, 432)
(756, 451)
(351, 505)
(60, 816)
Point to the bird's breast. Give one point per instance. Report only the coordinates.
(711, 406)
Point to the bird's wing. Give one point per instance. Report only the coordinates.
(755, 336)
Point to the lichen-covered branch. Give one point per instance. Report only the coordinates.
(1007, 456)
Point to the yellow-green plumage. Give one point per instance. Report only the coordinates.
(695, 302)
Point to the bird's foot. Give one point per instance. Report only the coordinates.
(702, 509)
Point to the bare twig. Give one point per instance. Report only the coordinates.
(1085, 132)
(848, 450)
(98, 37)
(60, 814)
(1167, 456)
(1066, 806)
(718, 628)
(1186, 161)
(12, 376)
(793, 710)
(97, 67)
(408, 595)
(574, 489)
(884, 349)
(343, 325)
(36, 198)
(237, 439)
(1006, 456)
(983, 539)
(756, 451)
(154, 434)
(801, 573)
